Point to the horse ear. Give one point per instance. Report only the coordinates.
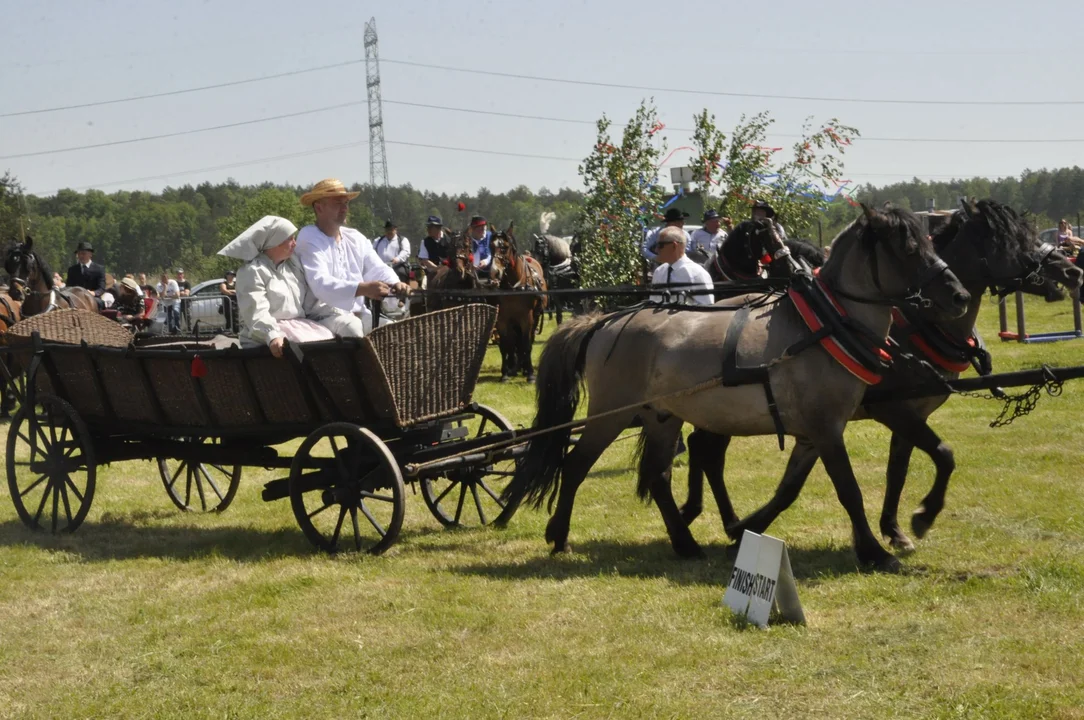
(29, 244)
(511, 226)
(867, 211)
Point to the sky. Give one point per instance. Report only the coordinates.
(59, 53)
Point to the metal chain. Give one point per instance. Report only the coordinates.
(1023, 403)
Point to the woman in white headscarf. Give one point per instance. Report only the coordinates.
(273, 300)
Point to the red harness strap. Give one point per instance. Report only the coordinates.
(956, 366)
(830, 344)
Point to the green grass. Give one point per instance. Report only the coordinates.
(146, 612)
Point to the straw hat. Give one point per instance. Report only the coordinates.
(325, 189)
(130, 284)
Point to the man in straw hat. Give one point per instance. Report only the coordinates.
(340, 264)
(275, 302)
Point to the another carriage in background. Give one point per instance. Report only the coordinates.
(374, 412)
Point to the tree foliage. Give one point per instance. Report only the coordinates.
(735, 173)
(621, 197)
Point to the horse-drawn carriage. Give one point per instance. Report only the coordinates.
(373, 412)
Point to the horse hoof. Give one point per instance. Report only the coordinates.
(901, 542)
(885, 564)
(735, 531)
(920, 525)
(690, 552)
(561, 549)
(530, 379)
(504, 378)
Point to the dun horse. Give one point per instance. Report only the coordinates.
(987, 246)
(660, 364)
(518, 313)
(32, 284)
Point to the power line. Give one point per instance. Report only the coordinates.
(134, 98)
(719, 93)
(180, 133)
(258, 161)
(689, 130)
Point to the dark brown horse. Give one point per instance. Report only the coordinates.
(987, 246)
(458, 273)
(663, 366)
(32, 283)
(10, 313)
(518, 313)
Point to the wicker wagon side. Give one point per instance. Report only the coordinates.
(431, 361)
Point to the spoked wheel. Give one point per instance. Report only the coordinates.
(50, 465)
(346, 490)
(471, 496)
(199, 487)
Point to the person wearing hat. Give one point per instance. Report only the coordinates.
(394, 250)
(340, 264)
(672, 218)
(274, 300)
(228, 288)
(434, 250)
(708, 238)
(86, 273)
(480, 237)
(129, 301)
(762, 209)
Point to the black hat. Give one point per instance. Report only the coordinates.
(768, 209)
(710, 215)
(84, 245)
(434, 220)
(388, 224)
(674, 214)
(230, 272)
(477, 220)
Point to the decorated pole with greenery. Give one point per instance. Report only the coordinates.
(736, 173)
(621, 197)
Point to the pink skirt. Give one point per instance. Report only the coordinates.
(302, 330)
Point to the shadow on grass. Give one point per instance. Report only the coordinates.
(134, 536)
(656, 559)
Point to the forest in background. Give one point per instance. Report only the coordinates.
(185, 226)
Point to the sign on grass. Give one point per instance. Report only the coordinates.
(761, 579)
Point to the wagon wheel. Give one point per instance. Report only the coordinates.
(471, 496)
(50, 466)
(214, 485)
(346, 490)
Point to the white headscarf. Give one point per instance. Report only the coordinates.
(267, 232)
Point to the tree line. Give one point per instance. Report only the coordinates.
(185, 226)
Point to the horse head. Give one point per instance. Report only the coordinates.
(744, 249)
(26, 270)
(885, 257)
(989, 246)
(507, 267)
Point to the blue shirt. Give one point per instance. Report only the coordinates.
(480, 250)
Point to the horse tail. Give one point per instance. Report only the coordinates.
(559, 387)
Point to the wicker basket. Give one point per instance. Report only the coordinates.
(70, 327)
(432, 361)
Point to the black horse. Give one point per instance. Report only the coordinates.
(987, 246)
(743, 252)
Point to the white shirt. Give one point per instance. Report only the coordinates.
(685, 272)
(393, 252)
(334, 268)
(706, 241)
(648, 246)
(169, 293)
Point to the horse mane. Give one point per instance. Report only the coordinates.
(1009, 233)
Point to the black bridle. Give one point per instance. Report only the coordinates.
(1032, 273)
(912, 296)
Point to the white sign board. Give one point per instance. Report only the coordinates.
(681, 175)
(762, 579)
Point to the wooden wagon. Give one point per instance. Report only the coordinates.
(372, 413)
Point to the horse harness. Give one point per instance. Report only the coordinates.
(10, 315)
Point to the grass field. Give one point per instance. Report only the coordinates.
(147, 612)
